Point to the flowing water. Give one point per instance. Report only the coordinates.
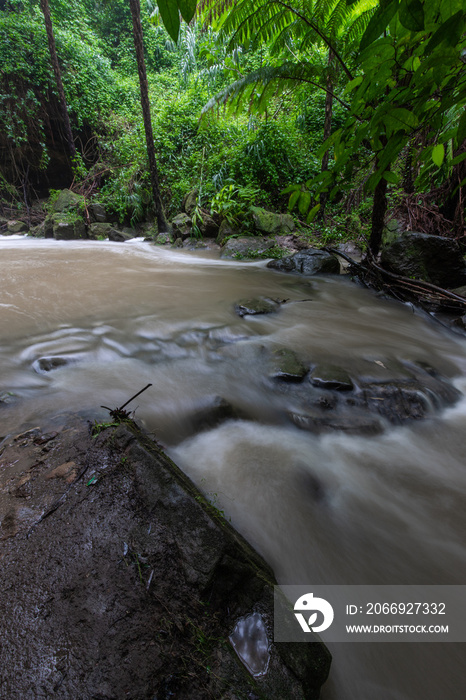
(388, 508)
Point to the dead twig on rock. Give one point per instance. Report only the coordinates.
(119, 414)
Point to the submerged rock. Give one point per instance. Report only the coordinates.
(434, 259)
(331, 377)
(311, 261)
(287, 366)
(259, 305)
(47, 364)
(367, 403)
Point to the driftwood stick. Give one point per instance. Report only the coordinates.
(133, 397)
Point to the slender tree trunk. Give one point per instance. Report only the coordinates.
(327, 127)
(44, 6)
(154, 176)
(379, 208)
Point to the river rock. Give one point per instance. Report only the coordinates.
(163, 239)
(367, 402)
(16, 227)
(270, 222)
(287, 366)
(207, 226)
(99, 230)
(182, 226)
(245, 247)
(118, 236)
(97, 213)
(67, 201)
(331, 377)
(311, 261)
(47, 364)
(259, 305)
(67, 230)
(435, 259)
(226, 230)
(189, 202)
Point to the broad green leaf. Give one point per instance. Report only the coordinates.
(449, 31)
(438, 154)
(291, 188)
(458, 159)
(304, 202)
(449, 7)
(170, 17)
(333, 138)
(293, 199)
(187, 9)
(310, 217)
(412, 15)
(461, 134)
(353, 84)
(391, 177)
(399, 119)
(378, 23)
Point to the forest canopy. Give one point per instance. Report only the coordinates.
(339, 110)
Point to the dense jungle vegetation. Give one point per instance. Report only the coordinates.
(341, 110)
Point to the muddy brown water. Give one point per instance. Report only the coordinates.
(390, 508)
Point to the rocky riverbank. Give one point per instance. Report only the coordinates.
(120, 580)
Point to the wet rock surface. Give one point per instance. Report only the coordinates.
(332, 398)
(311, 261)
(432, 258)
(245, 247)
(120, 580)
(259, 305)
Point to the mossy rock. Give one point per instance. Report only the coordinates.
(270, 222)
(287, 366)
(16, 227)
(67, 201)
(65, 226)
(245, 247)
(98, 231)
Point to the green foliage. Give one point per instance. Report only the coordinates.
(232, 203)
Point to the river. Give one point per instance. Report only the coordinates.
(393, 505)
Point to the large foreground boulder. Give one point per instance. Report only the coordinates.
(434, 259)
(119, 579)
(311, 261)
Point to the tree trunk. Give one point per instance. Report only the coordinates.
(379, 208)
(327, 127)
(44, 6)
(154, 176)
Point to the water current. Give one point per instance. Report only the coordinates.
(388, 508)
